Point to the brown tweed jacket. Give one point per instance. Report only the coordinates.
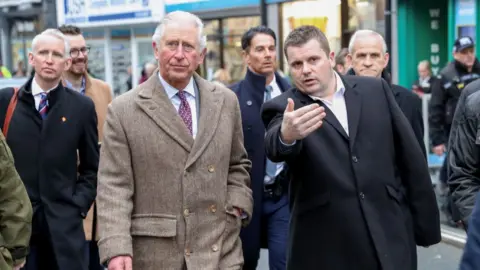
(165, 198)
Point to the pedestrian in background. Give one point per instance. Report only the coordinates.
(369, 57)
(350, 151)
(446, 91)
(269, 225)
(78, 79)
(51, 129)
(174, 175)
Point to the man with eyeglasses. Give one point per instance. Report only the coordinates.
(77, 78)
(51, 130)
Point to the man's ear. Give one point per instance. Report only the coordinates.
(68, 63)
(387, 58)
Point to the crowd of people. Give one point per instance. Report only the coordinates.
(327, 169)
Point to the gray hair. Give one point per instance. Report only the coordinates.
(180, 18)
(425, 63)
(52, 32)
(364, 34)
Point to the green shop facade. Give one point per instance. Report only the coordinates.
(427, 29)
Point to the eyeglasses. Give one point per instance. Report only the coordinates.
(74, 53)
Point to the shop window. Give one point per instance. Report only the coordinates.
(324, 14)
(224, 46)
(367, 14)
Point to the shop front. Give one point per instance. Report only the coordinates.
(427, 31)
(338, 19)
(20, 21)
(119, 35)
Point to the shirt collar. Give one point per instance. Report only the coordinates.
(340, 89)
(82, 88)
(37, 90)
(172, 91)
(273, 83)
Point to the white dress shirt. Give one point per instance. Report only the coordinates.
(37, 91)
(337, 104)
(190, 95)
(275, 92)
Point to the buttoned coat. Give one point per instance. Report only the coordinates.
(360, 200)
(101, 95)
(168, 199)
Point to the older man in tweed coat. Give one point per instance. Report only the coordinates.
(173, 187)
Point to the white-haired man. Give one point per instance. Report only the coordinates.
(47, 127)
(174, 175)
(367, 51)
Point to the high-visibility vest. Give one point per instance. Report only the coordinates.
(4, 72)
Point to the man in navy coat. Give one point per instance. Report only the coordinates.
(269, 183)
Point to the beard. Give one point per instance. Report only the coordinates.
(79, 71)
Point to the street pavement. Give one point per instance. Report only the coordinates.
(439, 257)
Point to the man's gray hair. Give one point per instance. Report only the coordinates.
(52, 32)
(180, 18)
(365, 34)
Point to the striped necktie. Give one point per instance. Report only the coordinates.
(43, 107)
(270, 166)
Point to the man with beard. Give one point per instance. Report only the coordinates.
(77, 78)
(369, 57)
(269, 225)
(52, 130)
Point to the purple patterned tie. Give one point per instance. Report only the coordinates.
(184, 111)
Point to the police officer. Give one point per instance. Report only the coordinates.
(464, 69)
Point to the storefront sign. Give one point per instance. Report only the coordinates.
(109, 12)
(204, 5)
(9, 3)
(434, 46)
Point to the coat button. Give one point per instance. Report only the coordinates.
(186, 212)
(355, 159)
(211, 168)
(213, 208)
(362, 196)
(187, 252)
(215, 248)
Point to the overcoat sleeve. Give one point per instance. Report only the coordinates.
(115, 191)
(238, 182)
(415, 177)
(15, 210)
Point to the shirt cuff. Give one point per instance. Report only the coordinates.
(286, 144)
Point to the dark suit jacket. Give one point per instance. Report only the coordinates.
(45, 153)
(250, 93)
(349, 210)
(411, 106)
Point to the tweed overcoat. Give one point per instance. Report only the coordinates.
(166, 198)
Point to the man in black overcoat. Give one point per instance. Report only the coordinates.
(53, 128)
(343, 139)
(268, 227)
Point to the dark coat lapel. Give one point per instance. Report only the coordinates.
(154, 101)
(354, 105)
(329, 116)
(211, 102)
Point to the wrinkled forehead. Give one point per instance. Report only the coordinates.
(305, 51)
(51, 43)
(370, 44)
(184, 31)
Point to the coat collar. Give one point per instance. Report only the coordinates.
(353, 104)
(258, 81)
(385, 75)
(154, 101)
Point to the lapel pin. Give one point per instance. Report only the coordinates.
(249, 103)
(64, 119)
